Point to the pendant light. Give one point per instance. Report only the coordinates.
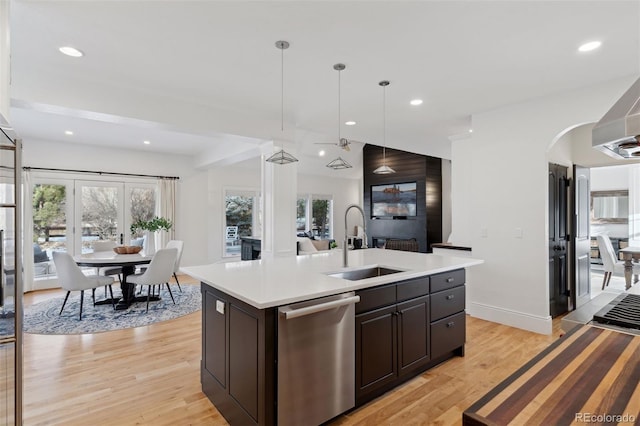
(339, 163)
(384, 169)
(282, 157)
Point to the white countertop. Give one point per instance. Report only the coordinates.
(274, 282)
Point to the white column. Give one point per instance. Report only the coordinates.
(4, 59)
(279, 196)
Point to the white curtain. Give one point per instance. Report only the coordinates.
(634, 205)
(27, 231)
(167, 208)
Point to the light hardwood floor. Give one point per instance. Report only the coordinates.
(150, 376)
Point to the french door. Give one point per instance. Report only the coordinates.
(69, 214)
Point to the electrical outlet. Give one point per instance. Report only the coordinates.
(220, 306)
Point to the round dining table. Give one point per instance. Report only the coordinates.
(127, 262)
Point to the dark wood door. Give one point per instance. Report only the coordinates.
(581, 279)
(376, 349)
(413, 334)
(558, 236)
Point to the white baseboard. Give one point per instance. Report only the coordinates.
(536, 324)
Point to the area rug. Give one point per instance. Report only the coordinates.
(43, 318)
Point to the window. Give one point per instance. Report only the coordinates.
(315, 214)
(242, 219)
(103, 210)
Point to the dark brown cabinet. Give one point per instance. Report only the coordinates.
(238, 358)
(376, 350)
(392, 335)
(405, 328)
(413, 334)
(402, 329)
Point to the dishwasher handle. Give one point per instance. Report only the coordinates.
(308, 310)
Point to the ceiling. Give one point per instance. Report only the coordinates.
(196, 77)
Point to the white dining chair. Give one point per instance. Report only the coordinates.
(158, 273)
(610, 262)
(178, 244)
(107, 245)
(71, 278)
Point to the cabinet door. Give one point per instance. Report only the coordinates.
(376, 349)
(215, 345)
(413, 334)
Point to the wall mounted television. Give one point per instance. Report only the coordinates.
(394, 200)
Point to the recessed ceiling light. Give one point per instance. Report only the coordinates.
(350, 123)
(71, 51)
(588, 47)
(321, 153)
(470, 130)
(147, 142)
(68, 132)
(416, 102)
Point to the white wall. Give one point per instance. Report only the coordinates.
(4, 59)
(502, 185)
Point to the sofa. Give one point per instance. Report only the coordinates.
(306, 245)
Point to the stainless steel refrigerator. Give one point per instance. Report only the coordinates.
(10, 277)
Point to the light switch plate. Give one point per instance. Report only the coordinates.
(220, 306)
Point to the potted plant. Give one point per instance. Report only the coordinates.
(149, 227)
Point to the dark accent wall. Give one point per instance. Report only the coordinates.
(426, 171)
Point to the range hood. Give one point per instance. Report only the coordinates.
(617, 134)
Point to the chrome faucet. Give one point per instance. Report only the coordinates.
(345, 262)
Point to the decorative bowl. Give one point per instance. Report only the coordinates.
(127, 249)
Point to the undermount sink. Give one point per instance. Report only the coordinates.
(361, 274)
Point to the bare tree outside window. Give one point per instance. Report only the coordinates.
(99, 216)
(143, 206)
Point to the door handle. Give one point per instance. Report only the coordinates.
(290, 313)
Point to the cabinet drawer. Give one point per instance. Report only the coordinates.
(447, 302)
(377, 297)
(447, 334)
(412, 288)
(447, 280)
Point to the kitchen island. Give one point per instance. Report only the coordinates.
(405, 322)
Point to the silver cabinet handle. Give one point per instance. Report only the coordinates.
(308, 310)
(450, 279)
(451, 324)
(449, 297)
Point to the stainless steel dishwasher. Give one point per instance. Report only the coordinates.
(316, 359)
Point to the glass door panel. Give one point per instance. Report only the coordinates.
(50, 230)
(99, 213)
(140, 205)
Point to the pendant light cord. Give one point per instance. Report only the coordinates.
(282, 90)
(384, 125)
(339, 72)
